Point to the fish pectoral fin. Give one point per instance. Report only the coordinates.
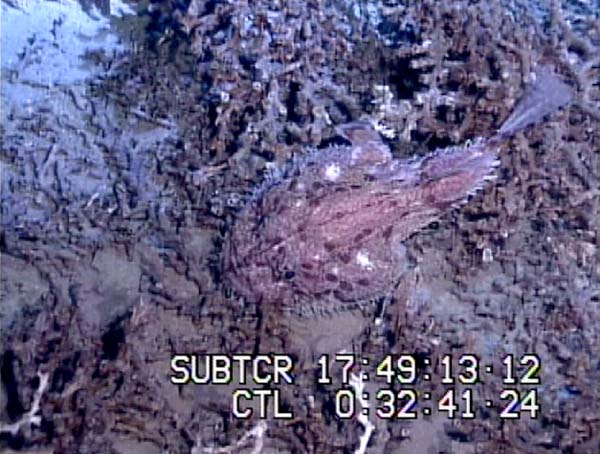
(415, 220)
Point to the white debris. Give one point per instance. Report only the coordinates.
(356, 381)
(320, 112)
(257, 433)
(92, 199)
(384, 130)
(225, 96)
(385, 108)
(31, 417)
(487, 255)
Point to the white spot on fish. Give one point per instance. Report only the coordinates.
(333, 172)
(362, 259)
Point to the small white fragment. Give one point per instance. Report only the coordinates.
(532, 77)
(356, 381)
(384, 130)
(31, 418)
(362, 259)
(487, 255)
(332, 172)
(93, 198)
(320, 112)
(257, 433)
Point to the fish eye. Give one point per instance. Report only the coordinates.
(289, 275)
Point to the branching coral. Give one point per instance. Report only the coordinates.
(31, 418)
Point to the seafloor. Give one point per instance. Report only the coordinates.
(123, 169)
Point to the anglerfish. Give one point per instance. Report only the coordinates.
(327, 232)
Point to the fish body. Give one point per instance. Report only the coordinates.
(328, 231)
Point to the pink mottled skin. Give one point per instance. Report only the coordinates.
(328, 232)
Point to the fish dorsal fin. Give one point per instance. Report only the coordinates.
(367, 146)
(358, 132)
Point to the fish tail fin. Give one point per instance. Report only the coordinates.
(547, 94)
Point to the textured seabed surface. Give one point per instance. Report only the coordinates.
(132, 137)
